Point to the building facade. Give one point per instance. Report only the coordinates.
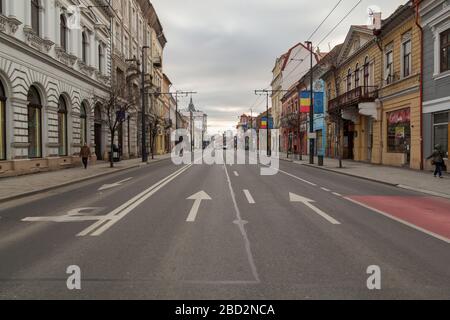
(138, 44)
(374, 92)
(435, 20)
(53, 64)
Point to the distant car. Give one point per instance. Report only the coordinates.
(225, 147)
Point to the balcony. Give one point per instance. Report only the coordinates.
(352, 98)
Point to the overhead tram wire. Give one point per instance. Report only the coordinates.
(327, 35)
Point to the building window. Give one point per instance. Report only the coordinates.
(366, 75)
(357, 76)
(34, 124)
(445, 47)
(399, 131)
(100, 58)
(2, 123)
(63, 32)
(62, 127)
(35, 16)
(1, 7)
(349, 80)
(84, 47)
(389, 57)
(440, 130)
(83, 124)
(406, 54)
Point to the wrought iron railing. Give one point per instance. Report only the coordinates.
(352, 97)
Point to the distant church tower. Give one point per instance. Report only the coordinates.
(191, 107)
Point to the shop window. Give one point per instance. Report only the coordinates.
(399, 131)
(440, 130)
(62, 127)
(2, 123)
(34, 124)
(445, 47)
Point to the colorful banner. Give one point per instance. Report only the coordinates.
(305, 102)
(264, 123)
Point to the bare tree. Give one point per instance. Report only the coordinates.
(115, 109)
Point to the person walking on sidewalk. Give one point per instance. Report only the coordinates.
(437, 160)
(85, 154)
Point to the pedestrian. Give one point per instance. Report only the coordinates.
(437, 160)
(85, 154)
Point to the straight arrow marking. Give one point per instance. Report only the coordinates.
(198, 197)
(308, 202)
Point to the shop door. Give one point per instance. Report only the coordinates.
(369, 131)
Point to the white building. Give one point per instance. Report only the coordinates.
(54, 62)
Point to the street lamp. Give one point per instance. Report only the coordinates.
(143, 96)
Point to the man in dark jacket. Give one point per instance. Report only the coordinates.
(438, 160)
(85, 154)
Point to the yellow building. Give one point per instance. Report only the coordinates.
(374, 105)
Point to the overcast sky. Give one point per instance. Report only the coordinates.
(225, 49)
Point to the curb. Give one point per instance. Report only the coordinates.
(351, 175)
(65, 184)
(437, 194)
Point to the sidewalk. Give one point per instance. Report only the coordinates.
(21, 186)
(421, 181)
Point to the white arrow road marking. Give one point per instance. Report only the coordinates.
(99, 227)
(113, 185)
(249, 197)
(198, 197)
(308, 202)
(74, 215)
(236, 173)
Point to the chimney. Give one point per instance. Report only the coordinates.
(376, 21)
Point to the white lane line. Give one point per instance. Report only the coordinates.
(236, 173)
(308, 202)
(437, 236)
(99, 227)
(249, 197)
(295, 177)
(337, 194)
(325, 189)
(241, 224)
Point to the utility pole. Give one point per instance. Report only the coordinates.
(267, 93)
(312, 140)
(143, 113)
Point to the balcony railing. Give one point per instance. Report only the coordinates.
(353, 97)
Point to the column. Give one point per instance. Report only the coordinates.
(47, 22)
(27, 11)
(56, 14)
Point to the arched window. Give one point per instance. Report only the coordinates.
(357, 76)
(2, 123)
(100, 58)
(34, 123)
(349, 80)
(35, 23)
(366, 74)
(85, 46)
(63, 32)
(83, 124)
(62, 126)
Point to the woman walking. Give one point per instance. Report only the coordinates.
(85, 154)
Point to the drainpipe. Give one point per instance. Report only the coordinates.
(417, 2)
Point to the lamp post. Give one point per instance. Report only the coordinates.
(143, 113)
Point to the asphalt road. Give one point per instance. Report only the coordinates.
(248, 241)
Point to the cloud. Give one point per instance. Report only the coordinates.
(225, 49)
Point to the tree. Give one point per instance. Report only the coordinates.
(115, 109)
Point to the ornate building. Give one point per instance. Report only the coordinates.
(53, 64)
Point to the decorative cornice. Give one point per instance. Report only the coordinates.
(88, 70)
(64, 57)
(36, 41)
(11, 21)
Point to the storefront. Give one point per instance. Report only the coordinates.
(399, 133)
